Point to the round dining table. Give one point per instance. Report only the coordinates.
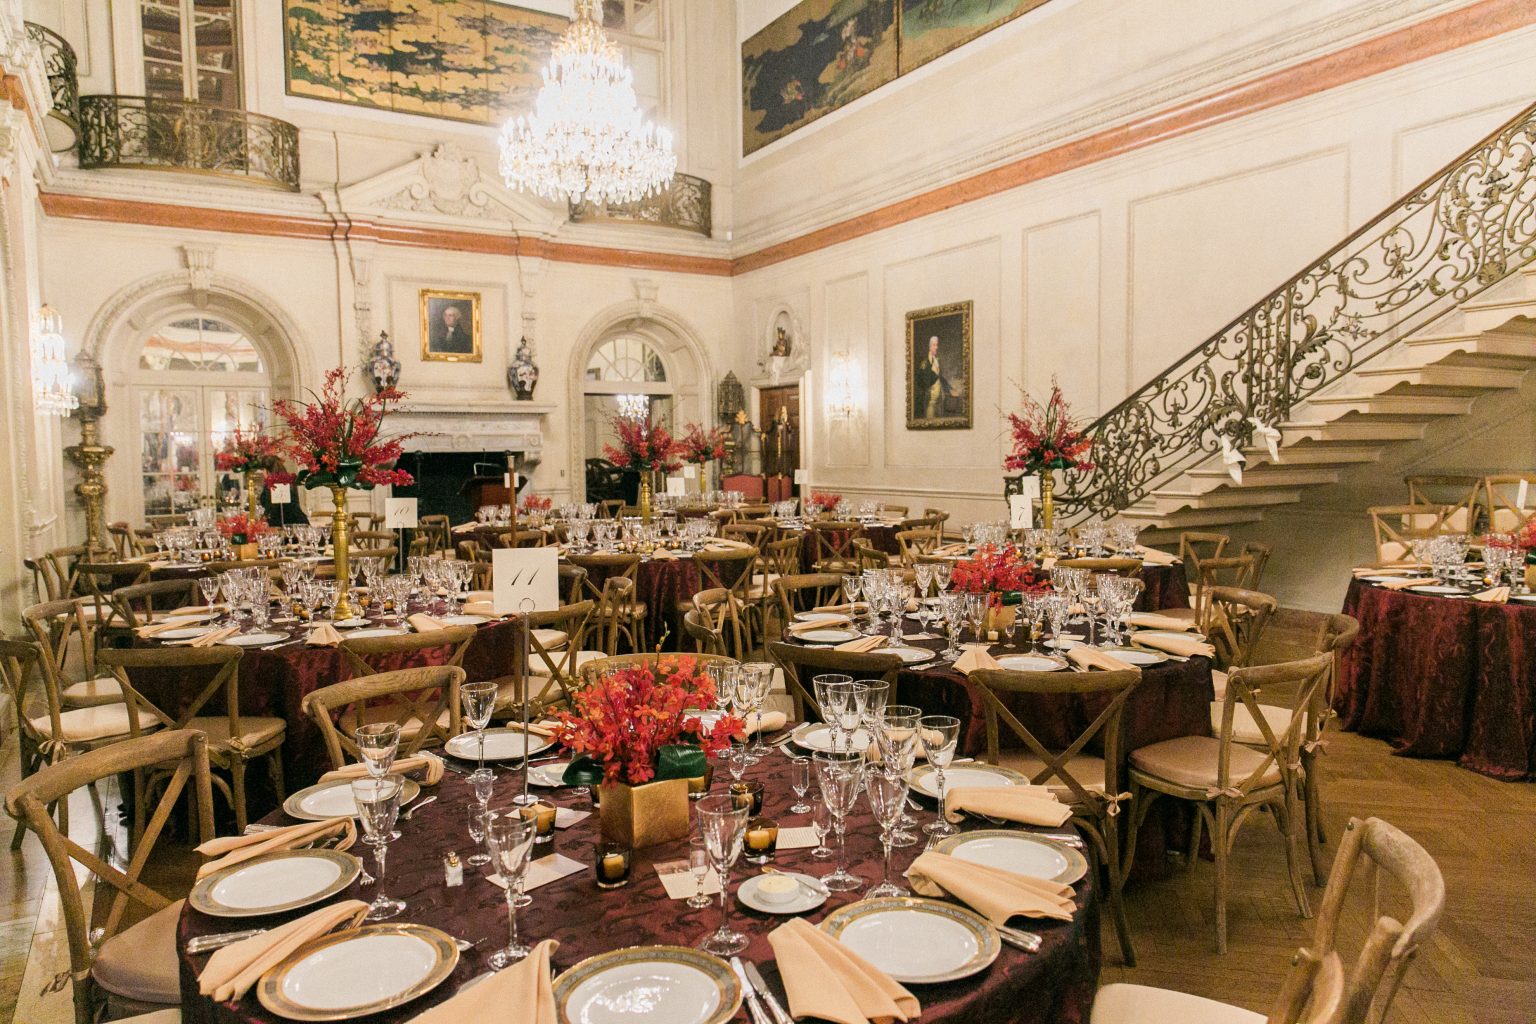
(1055, 984)
(1441, 675)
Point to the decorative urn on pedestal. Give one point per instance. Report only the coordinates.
(523, 374)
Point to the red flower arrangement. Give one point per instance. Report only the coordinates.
(1047, 437)
(337, 441)
(622, 721)
(700, 445)
(278, 476)
(241, 528)
(643, 445)
(248, 453)
(1528, 536)
(823, 501)
(534, 503)
(997, 571)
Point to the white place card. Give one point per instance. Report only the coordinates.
(1021, 512)
(565, 817)
(543, 871)
(506, 480)
(802, 837)
(679, 882)
(521, 574)
(1522, 494)
(282, 494)
(802, 477)
(399, 513)
(676, 486)
(690, 471)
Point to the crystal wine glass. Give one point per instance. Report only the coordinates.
(511, 840)
(800, 782)
(898, 741)
(724, 826)
(698, 864)
(377, 743)
(821, 824)
(479, 699)
(887, 794)
(378, 805)
(939, 734)
(840, 776)
(478, 820)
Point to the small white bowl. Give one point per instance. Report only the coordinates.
(777, 889)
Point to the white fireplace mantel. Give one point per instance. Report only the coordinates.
(512, 426)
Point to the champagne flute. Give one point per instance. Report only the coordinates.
(377, 743)
(827, 687)
(887, 794)
(378, 805)
(698, 864)
(511, 842)
(479, 819)
(479, 699)
(821, 823)
(840, 776)
(724, 826)
(939, 734)
(898, 750)
(800, 782)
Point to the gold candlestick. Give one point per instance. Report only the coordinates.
(90, 455)
(1047, 507)
(339, 544)
(645, 496)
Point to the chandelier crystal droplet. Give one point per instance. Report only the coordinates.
(584, 138)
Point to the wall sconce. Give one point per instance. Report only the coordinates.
(841, 402)
(52, 383)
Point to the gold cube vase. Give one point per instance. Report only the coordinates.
(646, 815)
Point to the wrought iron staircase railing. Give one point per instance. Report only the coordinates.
(1468, 227)
(62, 69)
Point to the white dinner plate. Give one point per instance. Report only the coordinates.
(1524, 597)
(925, 778)
(1166, 634)
(378, 631)
(1384, 579)
(827, 636)
(550, 776)
(184, 633)
(859, 608)
(1030, 663)
(334, 800)
(358, 973)
(914, 940)
(350, 623)
(671, 984)
(908, 655)
(818, 736)
(274, 883)
(500, 745)
(1136, 655)
(462, 620)
(805, 899)
(255, 639)
(1065, 643)
(1019, 852)
(1438, 588)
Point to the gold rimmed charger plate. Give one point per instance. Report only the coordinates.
(1034, 856)
(272, 989)
(925, 925)
(920, 776)
(620, 962)
(294, 805)
(282, 865)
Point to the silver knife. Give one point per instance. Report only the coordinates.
(780, 1016)
(1029, 942)
(754, 1008)
(209, 943)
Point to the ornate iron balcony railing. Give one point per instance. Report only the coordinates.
(686, 204)
(1465, 229)
(62, 69)
(179, 135)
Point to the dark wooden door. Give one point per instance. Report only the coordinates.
(778, 415)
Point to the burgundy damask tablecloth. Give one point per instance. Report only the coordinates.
(663, 584)
(1443, 677)
(1164, 587)
(1055, 985)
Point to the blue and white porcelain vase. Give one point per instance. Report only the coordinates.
(523, 374)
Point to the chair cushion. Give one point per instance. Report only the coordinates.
(379, 711)
(140, 963)
(1191, 761)
(254, 732)
(84, 725)
(1085, 768)
(1246, 730)
(1140, 1004)
(551, 639)
(538, 667)
(91, 692)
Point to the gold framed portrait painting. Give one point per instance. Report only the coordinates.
(450, 326)
(939, 367)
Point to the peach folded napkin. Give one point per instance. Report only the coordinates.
(150, 632)
(1152, 620)
(975, 657)
(485, 608)
(523, 992)
(1493, 595)
(1155, 556)
(545, 728)
(427, 767)
(1091, 658)
(863, 645)
(1391, 570)
(950, 550)
(772, 721)
(323, 635)
(234, 969)
(232, 850)
(664, 554)
(479, 595)
(218, 636)
(823, 622)
(1183, 646)
(996, 894)
(204, 610)
(1404, 584)
(424, 623)
(841, 609)
(827, 980)
(1027, 805)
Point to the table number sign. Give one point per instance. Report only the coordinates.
(282, 494)
(676, 487)
(802, 477)
(521, 574)
(399, 513)
(1021, 512)
(690, 472)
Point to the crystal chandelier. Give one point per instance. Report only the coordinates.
(52, 384)
(634, 407)
(584, 139)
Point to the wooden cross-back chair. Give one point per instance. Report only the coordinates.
(1088, 783)
(135, 968)
(1334, 637)
(142, 603)
(572, 582)
(438, 532)
(424, 701)
(1196, 545)
(1395, 527)
(234, 739)
(867, 557)
(99, 579)
(19, 663)
(557, 650)
(801, 664)
(1463, 495)
(65, 632)
(755, 534)
(1227, 782)
(61, 579)
(1227, 571)
(1234, 624)
(125, 540)
(714, 623)
(1505, 513)
(800, 592)
(372, 540)
(832, 545)
(660, 661)
(916, 541)
(626, 612)
(369, 655)
(731, 569)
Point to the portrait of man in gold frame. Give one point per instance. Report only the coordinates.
(450, 326)
(939, 367)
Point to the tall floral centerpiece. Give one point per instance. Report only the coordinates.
(700, 447)
(1047, 438)
(249, 454)
(338, 443)
(822, 503)
(646, 448)
(636, 734)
